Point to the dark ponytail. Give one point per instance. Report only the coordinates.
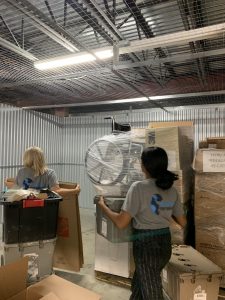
(155, 161)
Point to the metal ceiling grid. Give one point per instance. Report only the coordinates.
(49, 28)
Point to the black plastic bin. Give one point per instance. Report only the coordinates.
(28, 223)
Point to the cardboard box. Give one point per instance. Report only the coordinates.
(210, 244)
(213, 142)
(209, 209)
(191, 276)
(216, 142)
(13, 286)
(170, 124)
(210, 225)
(209, 161)
(212, 182)
(177, 143)
(113, 258)
(69, 249)
(209, 217)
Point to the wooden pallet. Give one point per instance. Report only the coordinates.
(113, 279)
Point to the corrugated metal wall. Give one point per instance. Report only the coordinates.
(65, 141)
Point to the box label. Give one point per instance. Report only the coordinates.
(200, 296)
(104, 227)
(214, 161)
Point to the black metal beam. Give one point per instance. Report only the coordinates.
(143, 24)
(90, 20)
(64, 13)
(50, 10)
(124, 21)
(188, 16)
(108, 10)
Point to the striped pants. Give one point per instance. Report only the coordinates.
(152, 251)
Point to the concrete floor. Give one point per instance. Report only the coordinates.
(86, 277)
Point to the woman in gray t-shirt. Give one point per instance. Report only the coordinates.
(35, 174)
(149, 205)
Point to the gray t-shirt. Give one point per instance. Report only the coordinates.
(26, 179)
(150, 206)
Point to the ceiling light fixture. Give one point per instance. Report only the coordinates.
(100, 103)
(72, 59)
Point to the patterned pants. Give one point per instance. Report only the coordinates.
(152, 251)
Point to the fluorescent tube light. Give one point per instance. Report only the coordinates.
(104, 54)
(72, 59)
(63, 61)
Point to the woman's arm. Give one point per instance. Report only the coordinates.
(56, 188)
(181, 220)
(121, 220)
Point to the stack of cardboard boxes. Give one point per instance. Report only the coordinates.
(177, 139)
(209, 166)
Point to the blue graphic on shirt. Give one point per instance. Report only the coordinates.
(26, 183)
(157, 204)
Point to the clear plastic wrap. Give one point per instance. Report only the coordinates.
(209, 205)
(113, 163)
(177, 233)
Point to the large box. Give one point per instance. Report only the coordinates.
(68, 255)
(40, 255)
(191, 276)
(27, 224)
(177, 143)
(113, 258)
(210, 225)
(106, 227)
(209, 204)
(212, 245)
(13, 286)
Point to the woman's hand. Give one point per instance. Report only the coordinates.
(101, 201)
(9, 182)
(77, 189)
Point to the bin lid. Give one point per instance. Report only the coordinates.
(185, 260)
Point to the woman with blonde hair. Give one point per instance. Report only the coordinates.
(35, 174)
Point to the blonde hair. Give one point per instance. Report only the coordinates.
(34, 158)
